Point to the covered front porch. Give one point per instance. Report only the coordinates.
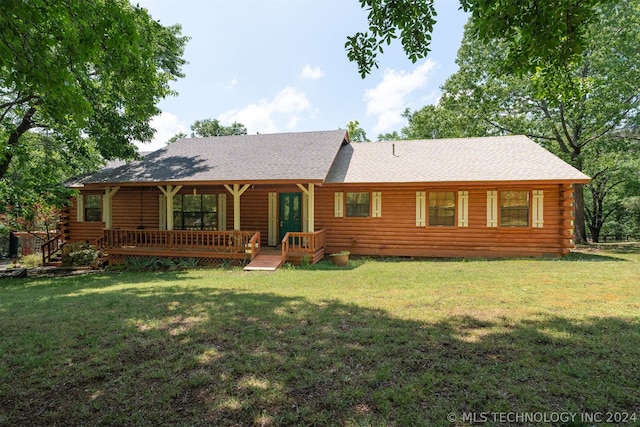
(283, 219)
(211, 196)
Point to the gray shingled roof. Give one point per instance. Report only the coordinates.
(505, 158)
(299, 157)
(324, 157)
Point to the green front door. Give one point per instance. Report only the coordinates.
(290, 213)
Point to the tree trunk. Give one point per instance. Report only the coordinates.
(14, 139)
(5, 160)
(579, 227)
(13, 245)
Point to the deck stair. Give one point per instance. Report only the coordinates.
(265, 262)
(54, 261)
(52, 251)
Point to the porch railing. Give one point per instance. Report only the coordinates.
(303, 243)
(101, 242)
(50, 248)
(232, 242)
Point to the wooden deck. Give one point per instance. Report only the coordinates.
(208, 247)
(212, 247)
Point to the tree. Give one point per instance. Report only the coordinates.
(438, 121)
(586, 112)
(532, 33)
(631, 207)
(44, 218)
(390, 136)
(177, 137)
(605, 198)
(89, 73)
(212, 127)
(32, 191)
(356, 133)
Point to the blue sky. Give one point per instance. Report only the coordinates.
(281, 66)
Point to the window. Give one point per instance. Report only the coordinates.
(195, 212)
(93, 207)
(357, 204)
(514, 208)
(442, 208)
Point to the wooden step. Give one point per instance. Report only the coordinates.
(53, 264)
(264, 263)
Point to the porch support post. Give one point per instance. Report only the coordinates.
(310, 193)
(311, 210)
(236, 191)
(106, 206)
(169, 192)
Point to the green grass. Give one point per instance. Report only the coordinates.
(383, 342)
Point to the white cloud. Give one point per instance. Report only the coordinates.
(389, 98)
(266, 115)
(311, 73)
(166, 125)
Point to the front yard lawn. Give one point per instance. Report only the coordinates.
(384, 342)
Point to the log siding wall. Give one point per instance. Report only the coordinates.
(81, 231)
(394, 232)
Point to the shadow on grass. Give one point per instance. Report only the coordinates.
(325, 265)
(590, 256)
(55, 285)
(177, 356)
(357, 261)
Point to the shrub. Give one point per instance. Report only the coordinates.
(305, 261)
(74, 247)
(185, 263)
(156, 264)
(31, 261)
(81, 255)
(81, 258)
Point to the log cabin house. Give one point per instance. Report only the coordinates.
(309, 194)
